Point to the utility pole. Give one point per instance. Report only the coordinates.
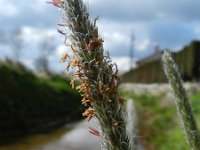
(131, 52)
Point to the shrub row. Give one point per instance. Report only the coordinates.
(29, 103)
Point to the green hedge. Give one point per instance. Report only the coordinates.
(29, 103)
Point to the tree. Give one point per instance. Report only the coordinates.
(17, 42)
(46, 47)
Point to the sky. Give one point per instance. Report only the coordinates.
(167, 24)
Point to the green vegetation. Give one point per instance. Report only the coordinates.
(31, 104)
(184, 109)
(158, 121)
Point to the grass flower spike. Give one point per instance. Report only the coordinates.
(184, 110)
(97, 74)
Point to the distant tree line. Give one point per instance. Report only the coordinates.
(16, 41)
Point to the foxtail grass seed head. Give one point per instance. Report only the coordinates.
(97, 75)
(184, 109)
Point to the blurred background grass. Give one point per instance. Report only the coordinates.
(158, 121)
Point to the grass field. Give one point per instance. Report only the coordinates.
(158, 123)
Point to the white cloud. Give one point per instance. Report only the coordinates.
(146, 10)
(123, 63)
(143, 45)
(39, 5)
(153, 22)
(60, 50)
(34, 35)
(161, 15)
(197, 30)
(114, 40)
(5, 51)
(30, 34)
(117, 35)
(8, 9)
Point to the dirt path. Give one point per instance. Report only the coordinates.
(78, 138)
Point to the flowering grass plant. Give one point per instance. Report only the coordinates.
(97, 74)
